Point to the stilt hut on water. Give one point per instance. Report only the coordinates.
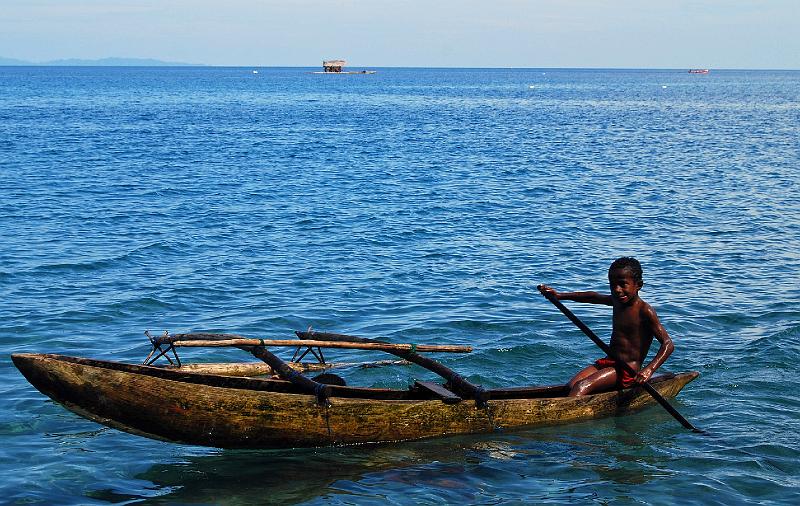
(333, 65)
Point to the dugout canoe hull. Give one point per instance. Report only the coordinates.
(234, 412)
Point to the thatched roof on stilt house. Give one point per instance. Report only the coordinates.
(333, 65)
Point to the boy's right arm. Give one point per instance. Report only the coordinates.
(588, 297)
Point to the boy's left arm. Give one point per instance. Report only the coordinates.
(664, 351)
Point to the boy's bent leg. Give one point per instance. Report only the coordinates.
(603, 380)
(581, 375)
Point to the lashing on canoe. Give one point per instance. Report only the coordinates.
(227, 406)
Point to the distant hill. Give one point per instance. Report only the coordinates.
(102, 62)
(12, 61)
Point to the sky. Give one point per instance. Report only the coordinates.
(718, 34)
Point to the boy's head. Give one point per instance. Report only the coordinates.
(629, 263)
(625, 279)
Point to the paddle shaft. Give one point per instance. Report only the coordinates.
(603, 346)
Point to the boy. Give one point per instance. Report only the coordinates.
(634, 325)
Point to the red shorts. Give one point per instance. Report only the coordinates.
(623, 377)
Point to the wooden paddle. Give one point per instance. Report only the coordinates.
(603, 346)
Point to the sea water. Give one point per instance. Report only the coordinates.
(423, 206)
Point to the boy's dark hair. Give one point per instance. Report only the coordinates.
(629, 263)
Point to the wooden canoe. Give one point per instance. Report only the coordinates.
(241, 412)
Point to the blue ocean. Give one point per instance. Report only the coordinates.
(421, 206)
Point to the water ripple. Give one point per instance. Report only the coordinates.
(419, 205)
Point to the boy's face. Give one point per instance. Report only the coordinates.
(623, 286)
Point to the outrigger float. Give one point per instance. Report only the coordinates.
(274, 405)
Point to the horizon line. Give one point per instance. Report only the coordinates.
(54, 63)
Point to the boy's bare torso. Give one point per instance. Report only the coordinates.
(632, 334)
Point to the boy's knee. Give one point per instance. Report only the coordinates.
(581, 387)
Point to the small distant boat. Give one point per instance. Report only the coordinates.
(698, 71)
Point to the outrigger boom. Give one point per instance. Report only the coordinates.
(197, 340)
(310, 339)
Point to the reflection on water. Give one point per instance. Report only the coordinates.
(452, 469)
(254, 477)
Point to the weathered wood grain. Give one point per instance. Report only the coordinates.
(218, 343)
(246, 369)
(230, 412)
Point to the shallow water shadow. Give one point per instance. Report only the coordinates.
(267, 477)
(590, 453)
